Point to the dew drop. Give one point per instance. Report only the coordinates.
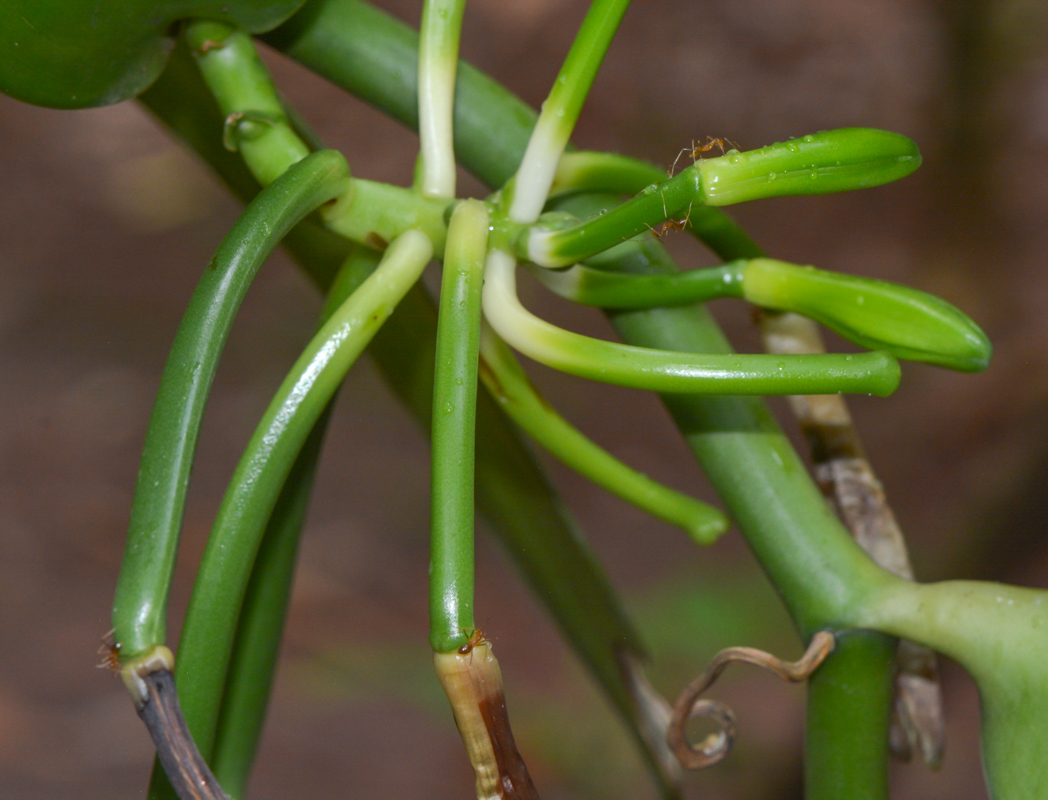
(808, 138)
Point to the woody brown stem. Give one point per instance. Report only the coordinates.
(152, 686)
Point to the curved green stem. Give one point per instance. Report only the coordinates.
(438, 59)
(669, 371)
(140, 605)
(454, 416)
(506, 380)
(880, 315)
(261, 624)
(214, 607)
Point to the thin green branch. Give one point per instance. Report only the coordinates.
(561, 109)
(506, 380)
(261, 624)
(670, 371)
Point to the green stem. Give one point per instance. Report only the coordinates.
(139, 608)
(830, 161)
(256, 124)
(214, 607)
(261, 624)
(605, 173)
(592, 286)
(880, 315)
(506, 380)
(668, 370)
(521, 508)
(561, 109)
(374, 214)
(454, 417)
(849, 711)
(438, 59)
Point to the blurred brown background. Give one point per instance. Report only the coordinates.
(106, 224)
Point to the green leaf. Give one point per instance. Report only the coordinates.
(77, 54)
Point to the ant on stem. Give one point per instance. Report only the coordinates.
(696, 150)
(110, 652)
(475, 638)
(668, 225)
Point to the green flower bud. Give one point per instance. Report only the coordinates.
(906, 322)
(831, 161)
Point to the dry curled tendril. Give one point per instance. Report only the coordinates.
(717, 745)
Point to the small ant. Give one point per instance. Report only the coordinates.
(475, 638)
(110, 652)
(696, 150)
(670, 224)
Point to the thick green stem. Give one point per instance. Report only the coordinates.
(256, 124)
(454, 425)
(140, 605)
(854, 686)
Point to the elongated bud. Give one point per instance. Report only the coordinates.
(906, 322)
(472, 681)
(830, 161)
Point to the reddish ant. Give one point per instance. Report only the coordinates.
(475, 638)
(668, 225)
(110, 652)
(696, 150)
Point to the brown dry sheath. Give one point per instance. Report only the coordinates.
(472, 681)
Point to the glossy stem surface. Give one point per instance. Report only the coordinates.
(214, 607)
(256, 124)
(438, 58)
(561, 108)
(668, 370)
(454, 425)
(140, 605)
(261, 624)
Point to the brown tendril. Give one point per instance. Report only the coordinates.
(717, 745)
